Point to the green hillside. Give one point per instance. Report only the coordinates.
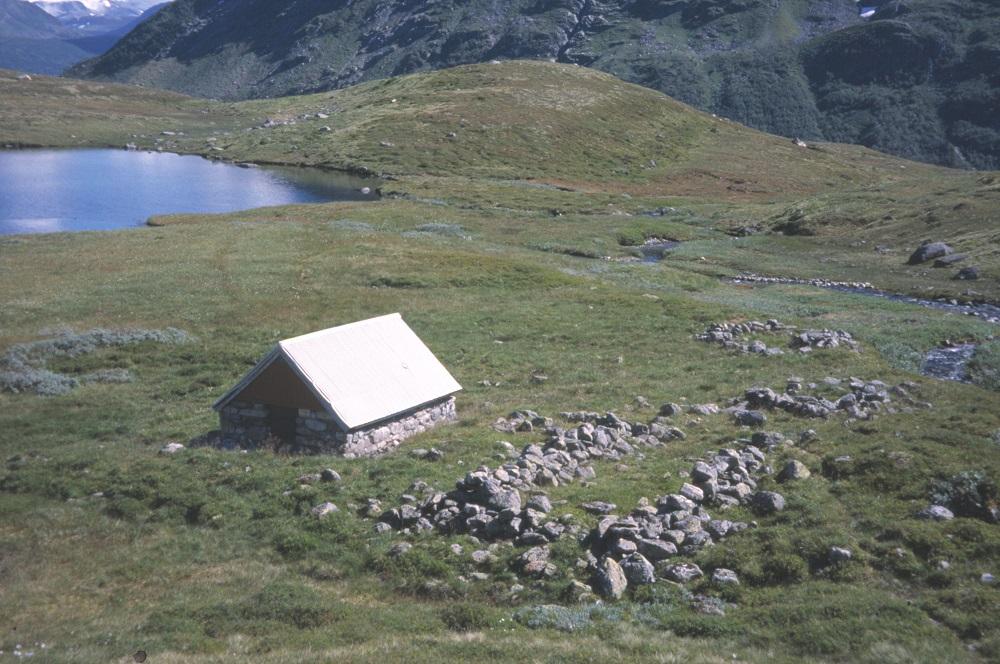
(515, 200)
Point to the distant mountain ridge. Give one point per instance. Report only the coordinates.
(48, 37)
(918, 78)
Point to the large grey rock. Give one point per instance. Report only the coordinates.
(324, 509)
(970, 273)
(936, 513)
(750, 418)
(929, 250)
(682, 572)
(670, 409)
(725, 577)
(535, 561)
(638, 570)
(598, 507)
(692, 493)
(768, 502)
(503, 499)
(657, 550)
(609, 580)
(793, 470)
(839, 554)
(703, 472)
(948, 261)
(540, 503)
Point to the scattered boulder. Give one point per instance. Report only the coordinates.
(839, 554)
(725, 577)
(329, 475)
(750, 418)
(599, 507)
(928, 251)
(323, 510)
(610, 581)
(481, 556)
(657, 549)
(936, 513)
(824, 339)
(638, 570)
(540, 503)
(948, 261)
(968, 274)
(670, 409)
(729, 335)
(535, 562)
(682, 572)
(768, 502)
(400, 549)
(793, 470)
(171, 448)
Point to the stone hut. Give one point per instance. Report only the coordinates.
(358, 390)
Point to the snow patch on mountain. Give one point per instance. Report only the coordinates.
(61, 8)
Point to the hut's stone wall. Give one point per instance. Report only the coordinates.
(385, 436)
(245, 425)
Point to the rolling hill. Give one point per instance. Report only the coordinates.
(916, 79)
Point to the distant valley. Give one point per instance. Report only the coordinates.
(46, 37)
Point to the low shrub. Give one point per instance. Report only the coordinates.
(785, 568)
(984, 367)
(567, 619)
(467, 617)
(437, 228)
(23, 366)
(970, 493)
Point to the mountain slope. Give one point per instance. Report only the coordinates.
(32, 40)
(24, 20)
(918, 79)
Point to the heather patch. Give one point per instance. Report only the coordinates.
(24, 366)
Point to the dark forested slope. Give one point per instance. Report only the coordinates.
(919, 78)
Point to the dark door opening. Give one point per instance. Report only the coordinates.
(281, 422)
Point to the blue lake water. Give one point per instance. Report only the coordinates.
(48, 191)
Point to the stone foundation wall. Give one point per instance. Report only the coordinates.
(245, 425)
(381, 438)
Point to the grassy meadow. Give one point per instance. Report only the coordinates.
(510, 249)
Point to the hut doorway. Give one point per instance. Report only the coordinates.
(281, 422)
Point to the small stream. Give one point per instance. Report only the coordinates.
(948, 362)
(984, 310)
(654, 251)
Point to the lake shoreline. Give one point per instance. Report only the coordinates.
(53, 190)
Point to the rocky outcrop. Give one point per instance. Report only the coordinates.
(929, 251)
(676, 525)
(859, 399)
(736, 336)
(488, 503)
